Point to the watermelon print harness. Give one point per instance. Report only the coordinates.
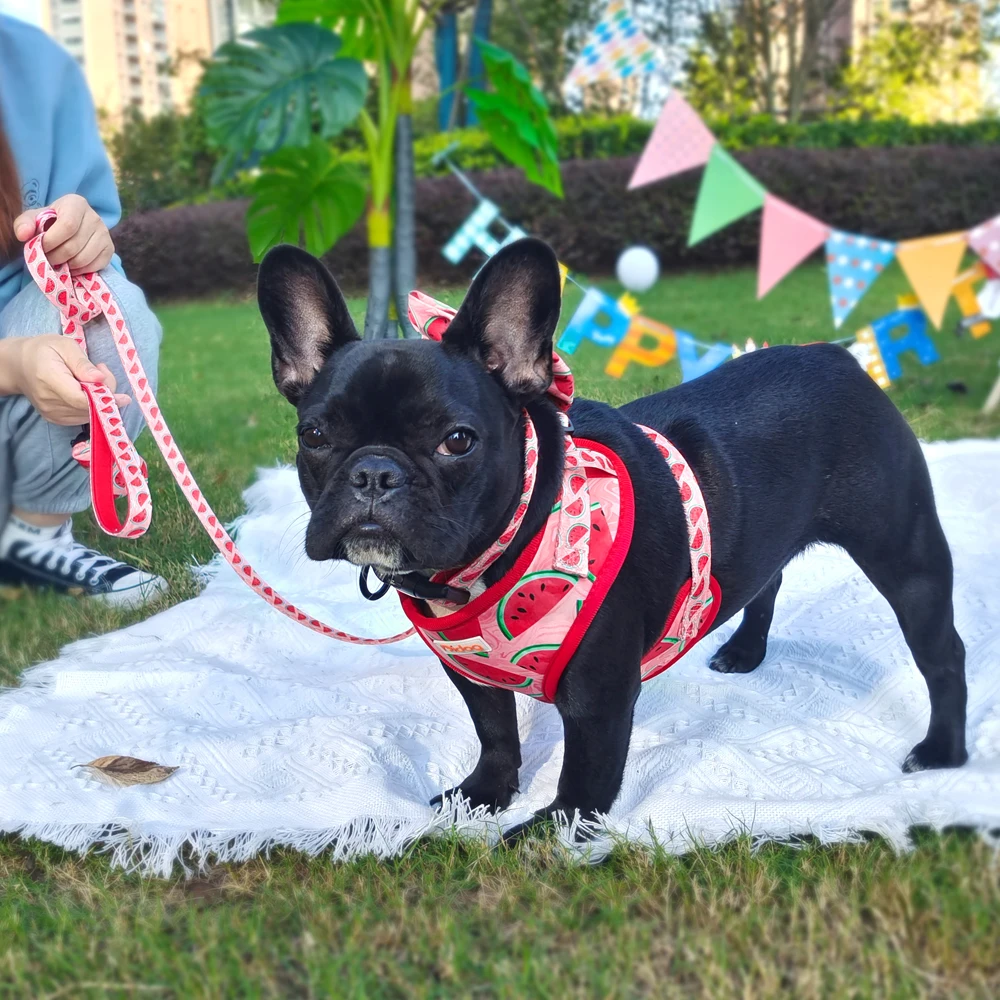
(522, 631)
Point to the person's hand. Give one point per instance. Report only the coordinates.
(48, 370)
(78, 237)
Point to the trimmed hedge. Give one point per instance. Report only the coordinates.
(601, 138)
(891, 193)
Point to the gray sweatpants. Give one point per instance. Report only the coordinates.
(37, 472)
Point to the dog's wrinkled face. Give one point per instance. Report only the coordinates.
(410, 452)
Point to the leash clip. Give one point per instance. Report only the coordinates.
(366, 592)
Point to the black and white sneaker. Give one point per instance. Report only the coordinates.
(51, 558)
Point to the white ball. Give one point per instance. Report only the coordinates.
(638, 269)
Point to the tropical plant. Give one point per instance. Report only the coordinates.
(276, 98)
(515, 115)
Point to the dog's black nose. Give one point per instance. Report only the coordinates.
(376, 475)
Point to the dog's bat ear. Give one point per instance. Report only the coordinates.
(509, 316)
(305, 314)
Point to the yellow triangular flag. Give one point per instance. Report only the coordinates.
(563, 272)
(931, 264)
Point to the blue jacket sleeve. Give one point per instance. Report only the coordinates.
(80, 163)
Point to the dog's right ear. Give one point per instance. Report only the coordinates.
(305, 314)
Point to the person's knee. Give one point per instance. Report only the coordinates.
(45, 478)
(28, 314)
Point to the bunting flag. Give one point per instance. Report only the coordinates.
(853, 262)
(694, 364)
(662, 341)
(913, 321)
(931, 264)
(727, 193)
(985, 240)
(474, 232)
(866, 352)
(787, 237)
(616, 49)
(680, 141)
(975, 318)
(598, 318)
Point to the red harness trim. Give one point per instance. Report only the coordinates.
(570, 643)
(609, 573)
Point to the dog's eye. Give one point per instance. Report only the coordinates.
(458, 442)
(312, 437)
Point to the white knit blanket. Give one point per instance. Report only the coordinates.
(284, 737)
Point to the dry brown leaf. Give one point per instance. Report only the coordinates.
(123, 771)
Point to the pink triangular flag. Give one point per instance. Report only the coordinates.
(680, 141)
(787, 237)
(985, 240)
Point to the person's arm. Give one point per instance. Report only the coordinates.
(81, 183)
(80, 163)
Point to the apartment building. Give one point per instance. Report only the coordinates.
(141, 53)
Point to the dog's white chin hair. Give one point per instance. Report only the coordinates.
(382, 555)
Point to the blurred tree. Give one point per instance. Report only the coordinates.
(547, 35)
(788, 58)
(924, 68)
(162, 160)
(765, 55)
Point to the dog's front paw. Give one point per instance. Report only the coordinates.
(543, 823)
(491, 789)
(733, 659)
(930, 754)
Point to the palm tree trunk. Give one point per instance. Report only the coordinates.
(477, 72)
(446, 58)
(404, 278)
(379, 273)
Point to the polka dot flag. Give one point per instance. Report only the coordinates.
(616, 49)
(985, 240)
(853, 263)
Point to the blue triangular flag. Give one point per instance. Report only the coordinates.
(853, 262)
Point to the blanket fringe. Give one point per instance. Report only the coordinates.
(164, 855)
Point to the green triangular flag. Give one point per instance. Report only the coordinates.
(727, 193)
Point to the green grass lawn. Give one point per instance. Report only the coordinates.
(457, 920)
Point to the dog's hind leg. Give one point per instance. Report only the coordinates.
(916, 580)
(747, 646)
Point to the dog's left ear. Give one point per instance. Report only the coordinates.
(509, 316)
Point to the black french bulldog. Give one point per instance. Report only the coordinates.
(411, 460)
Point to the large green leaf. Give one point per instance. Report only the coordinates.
(280, 86)
(349, 18)
(304, 195)
(515, 115)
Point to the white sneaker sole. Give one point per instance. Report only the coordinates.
(136, 596)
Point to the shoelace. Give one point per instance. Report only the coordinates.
(78, 301)
(48, 553)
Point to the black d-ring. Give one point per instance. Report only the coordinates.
(363, 584)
